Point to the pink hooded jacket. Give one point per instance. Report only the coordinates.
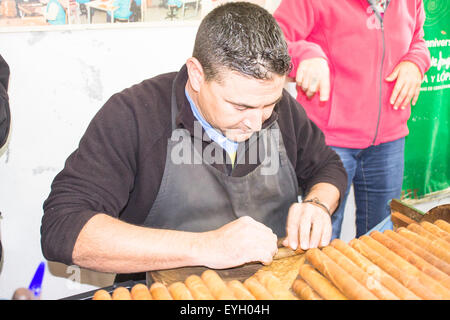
(361, 52)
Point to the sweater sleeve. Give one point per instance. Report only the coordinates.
(96, 178)
(418, 52)
(297, 19)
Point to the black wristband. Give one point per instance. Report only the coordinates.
(316, 201)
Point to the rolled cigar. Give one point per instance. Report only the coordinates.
(421, 252)
(427, 234)
(140, 292)
(434, 229)
(371, 283)
(257, 289)
(444, 225)
(198, 288)
(215, 284)
(348, 285)
(121, 293)
(374, 271)
(425, 243)
(405, 279)
(239, 290)
(274, 286)
(412, 258)
(408, 268)
(101, 295)
(179, 291)
(304, 291)
(285, 252)
(319, 283)
(160, 292)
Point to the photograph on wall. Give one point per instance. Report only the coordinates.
(73, 12)
(16, 13)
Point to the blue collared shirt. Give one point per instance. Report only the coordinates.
(228, 145)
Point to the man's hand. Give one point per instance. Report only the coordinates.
(307, 225)
(240, 241)
(314, 75)
(407, 86)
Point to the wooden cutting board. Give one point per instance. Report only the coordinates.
(285, 266)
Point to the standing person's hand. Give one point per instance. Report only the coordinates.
(240, 241)
(314, 75)
(407, 86)
(308, 226)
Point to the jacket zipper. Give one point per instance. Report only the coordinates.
(381, 68)
(381, 85)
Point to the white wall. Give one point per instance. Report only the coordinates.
(59, 80)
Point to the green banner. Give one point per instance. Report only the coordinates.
(427, 149)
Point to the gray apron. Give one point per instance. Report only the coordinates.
(195, 196)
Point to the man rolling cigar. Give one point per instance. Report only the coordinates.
(198, 167)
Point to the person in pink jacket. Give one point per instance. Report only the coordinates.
(359, 65)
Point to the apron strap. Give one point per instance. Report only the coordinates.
(173, 104)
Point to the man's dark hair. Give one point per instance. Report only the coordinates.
(242, 37)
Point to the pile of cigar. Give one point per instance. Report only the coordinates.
(264, 285)
(411, 263)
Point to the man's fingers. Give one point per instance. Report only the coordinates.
(293, 223)
(316, 233)
(305, 230)
(326, 235)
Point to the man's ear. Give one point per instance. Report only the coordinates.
(195, 73)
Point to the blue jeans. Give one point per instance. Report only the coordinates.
(377, 176)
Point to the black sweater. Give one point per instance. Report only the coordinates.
(119, 164)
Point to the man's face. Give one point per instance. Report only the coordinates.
(238, 105)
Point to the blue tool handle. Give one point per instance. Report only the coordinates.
(36, 282)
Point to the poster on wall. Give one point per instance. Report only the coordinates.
(427, 149)
(20, 13)
(208, 5)
(17, 13)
